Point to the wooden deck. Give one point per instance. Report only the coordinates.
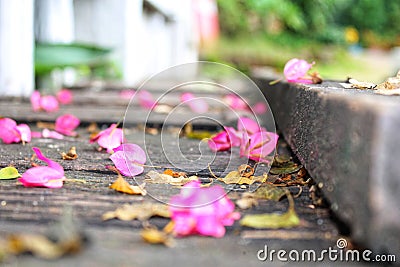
(117, 243)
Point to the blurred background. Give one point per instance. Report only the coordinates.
(48, 44)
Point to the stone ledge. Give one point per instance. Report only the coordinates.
(349, 142)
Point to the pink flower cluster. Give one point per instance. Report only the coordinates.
(50, 103)
(203, 211)
(255, 142)
(296, 70)
(10, 132)
(51, 176)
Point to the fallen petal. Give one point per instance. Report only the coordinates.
(24, 132)
(49, 103)
(146, 99)
(8, 131)
(130, 160)
(35, 101)
(66, 124)
(46, 133)
(64, 96)
(196, 104)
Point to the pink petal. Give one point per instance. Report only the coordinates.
(146, 99)
(66, 124)
(296, 68)
(35, 101)
(301, 80)
(51, 176)
(24, 132)
(8, 131)
(127, 94)
(260, 145)
(248, 125)
(36, 134)
(197, 105)
(203, 211)
(42, 176)
(234, 136)
(219, 142)
(210, 226)
(46, 133)
(260, 108)
(64, 96)
(49, 103)
(129, 160)
(111, 140)
(235, 102)
(52, 164)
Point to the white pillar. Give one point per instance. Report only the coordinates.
(16, 47)
(54, 21)
(134, 44)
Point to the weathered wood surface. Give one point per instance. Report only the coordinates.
(118, 243)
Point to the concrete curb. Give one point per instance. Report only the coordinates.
(349, 142)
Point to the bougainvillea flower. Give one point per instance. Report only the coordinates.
(46, 133)
(248, 125)
(51, 176)
(110, 138)
(64, 96)
(10, 132)
(197, 105)
(260, 108)
(296, 70)
(235, 102)
(258, 145)
(127, 93)
(203, 211)
(146, 99)
(66, 124)
(129, 159)
(35, 101)
(49, 103)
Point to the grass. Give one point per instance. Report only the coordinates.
(332, 61)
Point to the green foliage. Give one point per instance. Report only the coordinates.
(322, 20)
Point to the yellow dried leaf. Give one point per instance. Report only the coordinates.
(121, 185)
(38, 245)
(166, 178)
(234, 178)
(141, 212)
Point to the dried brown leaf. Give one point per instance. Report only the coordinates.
(234, 178)
(162, 178)
(70, 155)
(141, 212)
(121, 185)
(154, 236)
